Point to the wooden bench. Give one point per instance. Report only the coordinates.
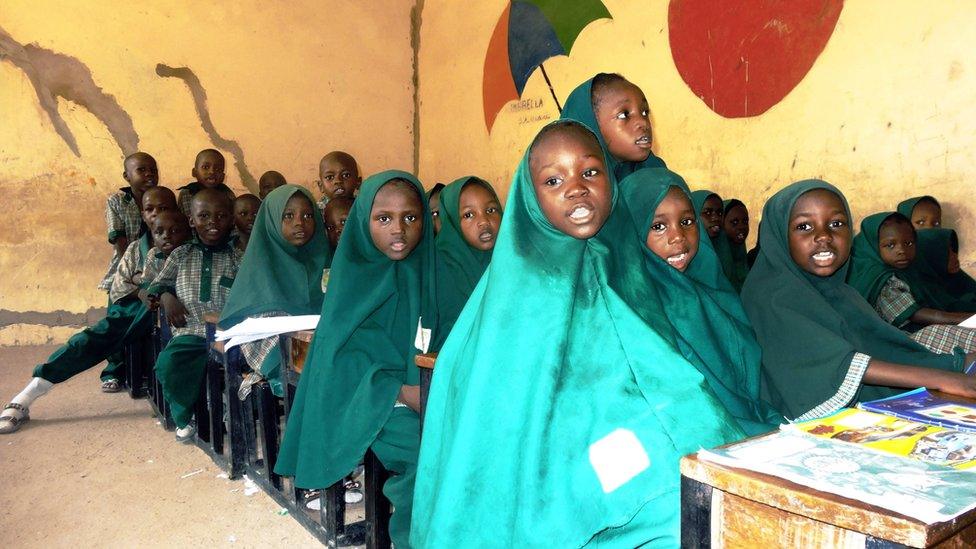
(160, 336)
(224, 437)
(426, 364)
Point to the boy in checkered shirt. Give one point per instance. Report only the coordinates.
(208, 173)
(195, 280)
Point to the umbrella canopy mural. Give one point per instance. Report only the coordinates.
(527, 33)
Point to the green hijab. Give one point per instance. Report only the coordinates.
(363, 349)
(552, 354)
(460, 265)
(906, 207)
(711, 327)
(579, 106)
(736, 264)
(276, 275)
(721, 245)
(809, 327)
(933, 251)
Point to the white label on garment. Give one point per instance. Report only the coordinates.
(422, 340)
(617, 458)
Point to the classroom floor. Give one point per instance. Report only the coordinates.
(96, 470)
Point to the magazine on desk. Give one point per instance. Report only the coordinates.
(916, 489)
(922, 406)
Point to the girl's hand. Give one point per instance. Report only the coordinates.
(956, 384)
(410, 395)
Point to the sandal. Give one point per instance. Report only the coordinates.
(111, 386)
(10, 424)
(354, 490)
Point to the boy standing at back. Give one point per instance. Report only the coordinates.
(195, 280)
(208, 173)
(245, 213)
(338, 176)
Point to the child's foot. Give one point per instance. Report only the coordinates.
(185, 434)
(13, 417)
(354, 490)
(111, 386)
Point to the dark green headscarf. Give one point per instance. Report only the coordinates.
(709, 323)
(551, 355)
(363, 350)
(460, 264)
(579, 106)
(809, 327)
(721, 245)
(933, 251)
(906, 207)
(736, 266)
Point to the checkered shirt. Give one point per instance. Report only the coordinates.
(129, 275)
(944, 338)
(895, 303)
(185, 198)
(256, 351)
(124, 219)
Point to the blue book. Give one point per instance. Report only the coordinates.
(922, 406)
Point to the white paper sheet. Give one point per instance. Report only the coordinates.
(969, 322)
(253, 329)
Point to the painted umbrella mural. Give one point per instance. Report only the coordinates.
(528, 33)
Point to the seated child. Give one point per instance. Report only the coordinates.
(434, 200)
(924, 211)
(338, 176)
(336, 212)
(557, 415)
(360, 387)
(127, 318)
(195, 280)
(470, 216)
(823, 345)
(616, 110)
(245, 212)
(939, 249)
(208, 172)
(735, 223)
(711, 327)
(885, 271)
(281, 273)
(269, 181)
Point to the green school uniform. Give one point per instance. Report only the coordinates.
(460, 265)
(711, 327)
(812, 329)
(736, 266)
(276, 275)
(362, 353)
(720, 243)
(906, 207)
(933, 247)
(185, 197)
(579, 106)
(549, 381)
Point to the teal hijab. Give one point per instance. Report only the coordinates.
(933, 251)
(907, 207)
(809, 327)
(579, 106)
(711, 327)
(736, 264)
(551, 355)
(460, 265)
(363, 350)
(721, 245)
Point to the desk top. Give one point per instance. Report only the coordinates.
(425, 360)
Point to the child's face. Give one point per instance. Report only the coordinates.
(570, 182)
(622, 114)
(737, 224)
(953, 267)
(434, 203)
(819, 233)
(396, 221)
(170, 231)
(141, 173)
(481, 214)
(673, 235)
(298, 220)
(245, 212)
(926, 215)
(713, 215)
(154, 202)
(335, 222)
(338, 176)
(211, 218)
(209, 169)
(268, 182)
(896, 243)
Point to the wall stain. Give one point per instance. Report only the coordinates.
(199, 96)
(56, 75)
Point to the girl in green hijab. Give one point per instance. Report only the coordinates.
(359, 388)
(939, 249)
(470, 216)
(617, 112)
(924, 211)
(710, 326)
(559, 406)
(823, 346)
(735, 224)
(711, 212)
(281, 273)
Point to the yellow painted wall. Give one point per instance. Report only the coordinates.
(287, 81)
(886, 112)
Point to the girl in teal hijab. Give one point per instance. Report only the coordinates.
(281, 273)
(359, 388)
(617, 112)
(470, 216)
(823, 346)
(925, 212)
(558, 410)
(736, 229)
(939, 249)
(711, 212)
(711, 327)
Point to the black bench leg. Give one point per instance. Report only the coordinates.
(215, 398)
(268, 410)
(239, 421)
(696, 514)
(377, 506)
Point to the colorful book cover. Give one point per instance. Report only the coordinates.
(922, 406)
(893, 435)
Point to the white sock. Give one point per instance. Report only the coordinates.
(37, 388)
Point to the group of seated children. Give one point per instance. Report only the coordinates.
(606, 325)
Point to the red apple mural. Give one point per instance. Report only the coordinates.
(741, 58)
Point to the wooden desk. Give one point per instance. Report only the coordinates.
(426, 364)
(298, 349)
